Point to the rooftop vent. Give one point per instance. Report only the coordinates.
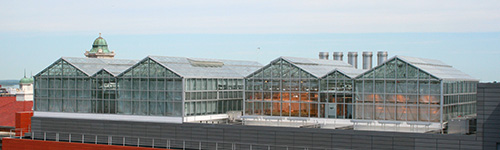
(205, 63)
(338, 56)
(323, 55)
(381, 57)
(367, 60)
(352, 58)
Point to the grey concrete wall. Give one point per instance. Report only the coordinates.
(272, 136)
(488, 114)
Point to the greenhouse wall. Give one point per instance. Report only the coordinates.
(336, 94)
(146, 89)
(398, 91)
(459, 99)
(281, 89)
(149, 89)
(63, 88)
(395, 91)
(208, 96)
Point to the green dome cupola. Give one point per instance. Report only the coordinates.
(100, 49)
(100, 44)
(26, 80)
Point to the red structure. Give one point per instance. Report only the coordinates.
(24, 144)
(8, 108)
(23, 122)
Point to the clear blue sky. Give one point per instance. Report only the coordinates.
(464, 34)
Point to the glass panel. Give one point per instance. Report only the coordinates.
(42, 104)
(412, 113)
(55, 105)
(84, 106)
(401, 113)
(434, 114)
(390, 112)
(380, 72)
(412, 72)
(423, 113)
(379, 86)
(69, 105)
(401, 69)
(435, 87)
(379, 112)
(391, 69)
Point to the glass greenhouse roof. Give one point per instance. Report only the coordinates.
(437, 68)
(320, 68)
(207, 68)
(90, 66)
(219, 68)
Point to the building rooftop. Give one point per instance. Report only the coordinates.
(184, 67)
(90, 66)
(437, 68)
(207, 68)
(320, 68)
(338, 124)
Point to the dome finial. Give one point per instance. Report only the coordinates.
(24, 72)
(99, 34)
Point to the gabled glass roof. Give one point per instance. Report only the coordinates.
(90, 66)
(207, 68)
(349, 72)
(437, 68)
(103, 72)
(320, 68)
(219, 68)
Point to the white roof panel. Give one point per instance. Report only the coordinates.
(320, 68)
(90, 66)
(437, 68)
(207, 68)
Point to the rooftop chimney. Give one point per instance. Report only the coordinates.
(338, 56)
(323, 55)
(352, 58)
(381, 57)
(367, 60)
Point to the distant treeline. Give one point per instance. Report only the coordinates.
(9, 82)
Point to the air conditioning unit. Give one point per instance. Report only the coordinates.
(233, 115)
(462, 125)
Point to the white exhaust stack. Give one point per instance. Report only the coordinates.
(323, 55)
(381, 57)
(367, 60)
(352, 58)
(338, 56)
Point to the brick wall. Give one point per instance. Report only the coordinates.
(23, 144)
(23, 122)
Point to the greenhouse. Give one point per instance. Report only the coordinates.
(405, 89)
(301, 87)
(414, 89)
(80, 85)
(153, 86)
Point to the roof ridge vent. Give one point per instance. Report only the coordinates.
(205, 63)
(305, 63)
(430, 64)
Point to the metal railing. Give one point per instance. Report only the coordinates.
(156, 142)
(18, 132)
